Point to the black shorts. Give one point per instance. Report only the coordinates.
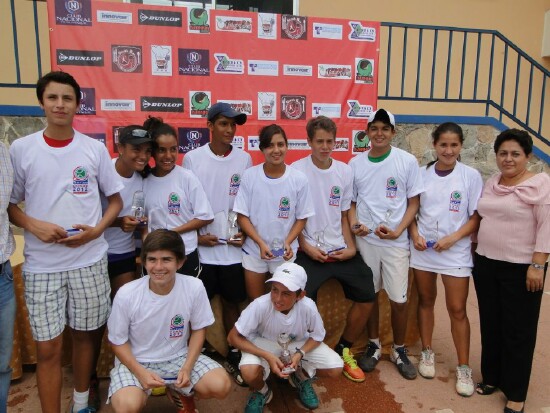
(225, 280)
(120, 264)
(191, 265)
(354, 275)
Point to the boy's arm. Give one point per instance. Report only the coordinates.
(192, 225)
(351, 249)
(384, 232)
(43, 230)
(196, 341)
(308, 346)
(240, 342)
(147, 378)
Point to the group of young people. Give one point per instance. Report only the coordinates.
(219, 225)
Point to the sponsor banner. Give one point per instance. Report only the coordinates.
(330, 110)
(225, 64)
(253, 143)
(263, 67)
(297, 70)
(358, 111)
(107, 16)
(329, 71)
(126, 105)
(243, 106)
(87, 101)
(199, 21)
(267, 109)
(234, 24)
(364, 71)
(73, 12)
(193, 62)
(327, 31)
(161, 104)
(161, 60)
(79, 57)
(199, 101)
(192, 138)
(361, 142)
(298, 145)
(361, 33)
(341, 145)
(159, 18)
(126, 59)
(293, 27)
(293, 107)
(267, 26)
(101, 137)
(238, 142)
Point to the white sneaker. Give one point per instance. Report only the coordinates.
(464, 383)
(426, 367)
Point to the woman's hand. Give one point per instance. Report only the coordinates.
(535, 279)
(419, 243)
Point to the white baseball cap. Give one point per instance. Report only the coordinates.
(291, 275)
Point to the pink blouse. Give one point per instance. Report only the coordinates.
(515, 219)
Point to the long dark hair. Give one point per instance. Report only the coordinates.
(450, 127)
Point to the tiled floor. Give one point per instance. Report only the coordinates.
(383, 392)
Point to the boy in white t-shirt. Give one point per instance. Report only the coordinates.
(327, 245)
(157, 329)
(386, 185)
(219, 167)
(61, 174)
(285, 310)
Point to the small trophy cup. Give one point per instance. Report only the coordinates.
(386, 221)
(138, 205)
(232, 227)
(276, 243)
(323, 245)
(284, 340)
(364, 216)
(433, 236)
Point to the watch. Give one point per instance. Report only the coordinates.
(537, 266)
(299, 350)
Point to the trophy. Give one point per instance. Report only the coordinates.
(232, 227)
(138, 205)
(432, 236)
(386, 221)
(364, 216)
(276, 239)
(323, 245)
(284, 340)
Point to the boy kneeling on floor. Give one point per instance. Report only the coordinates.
(285, 310)
(157, 329)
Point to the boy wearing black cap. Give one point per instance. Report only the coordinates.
(219, 167)
(258, 333)
(387, 185)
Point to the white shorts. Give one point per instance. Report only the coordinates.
(390, 268)
(461, 272)
(322, 357)
(260, 266)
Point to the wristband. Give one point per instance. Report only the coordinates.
(299, 350)
(537, 266)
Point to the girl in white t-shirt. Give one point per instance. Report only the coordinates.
(273, 204)
(175, 198)
(440, 244)
(134, 150)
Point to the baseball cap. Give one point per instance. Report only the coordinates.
(134, 135)
(383, 116)
(225, 109)
(291, 275)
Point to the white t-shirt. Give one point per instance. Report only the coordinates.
(158, 326)
(220, 178)
(62, 186)
(260, 319)
(445, 206)
(121, 242)
(331, 190)
(385, 187)
(178, 198)
(273, 205)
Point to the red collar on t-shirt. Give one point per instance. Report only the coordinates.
(56, 143)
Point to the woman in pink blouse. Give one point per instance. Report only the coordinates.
(509, 268)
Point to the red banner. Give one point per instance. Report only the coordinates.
(133, 61)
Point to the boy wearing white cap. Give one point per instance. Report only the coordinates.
(386, 189)
(285, 310)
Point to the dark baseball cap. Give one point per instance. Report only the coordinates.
(134, 135)
(225, 109)
(382, 115)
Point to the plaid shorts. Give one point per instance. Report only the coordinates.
(122, 377)
(79, 298)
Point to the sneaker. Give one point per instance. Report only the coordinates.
(399, 357)
(370, 357)
(257, 401)
(426, 367)
(231, 365)
(185, 404)
(464, 383)
(307, 395)
(93, 398)
(351, 370)
(88, 409)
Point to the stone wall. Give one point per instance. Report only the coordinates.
(414, 138)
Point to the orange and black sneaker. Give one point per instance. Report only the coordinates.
(351, 369)
(185, 404)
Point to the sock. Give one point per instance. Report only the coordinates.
(264, 389)
(342, 344)
(80, 400)
(375, 341)
(395, 346)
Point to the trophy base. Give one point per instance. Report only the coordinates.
(288, 370)
(278, 252)
(431, 243)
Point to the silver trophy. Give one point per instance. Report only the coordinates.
(232, 227)
(323, 245)
(386, 221)
(432, 236)
(276, 239)
(138, 205)
(364, 216)
(284, 340)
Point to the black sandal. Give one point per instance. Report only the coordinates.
(485, 389)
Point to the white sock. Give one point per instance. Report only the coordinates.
(264, 389)
(375, 341)
(80, 400)
(395, 346)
